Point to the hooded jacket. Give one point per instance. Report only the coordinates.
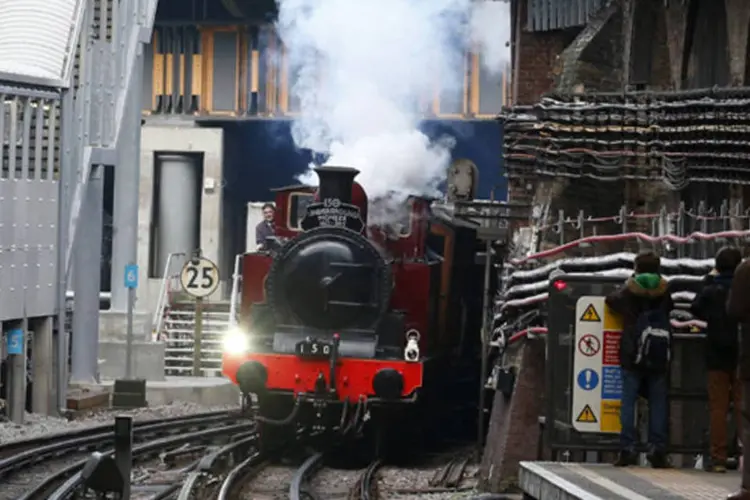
(738, 307)
(722, 330)
(641, 292)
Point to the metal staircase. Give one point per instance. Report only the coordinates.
(178, 335)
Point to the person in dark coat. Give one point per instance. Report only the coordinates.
(644, 303)
(738, 307)
(722, 345)
(266, 228)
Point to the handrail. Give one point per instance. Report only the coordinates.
(70, 294)
(233, 298)
(161, 304)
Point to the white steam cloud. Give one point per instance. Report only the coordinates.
(367, 69)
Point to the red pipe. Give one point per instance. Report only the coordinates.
(630, 236)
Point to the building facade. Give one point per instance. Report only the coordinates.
(217, 100)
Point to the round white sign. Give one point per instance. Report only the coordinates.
(199, 277)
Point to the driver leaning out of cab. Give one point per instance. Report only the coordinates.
(265, 228)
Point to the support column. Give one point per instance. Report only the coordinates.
(42, 397)
(675, 16)
(628, 9)
(16, 370)
(127, 179)
(738, 24)
(87, 272)
(65, 192)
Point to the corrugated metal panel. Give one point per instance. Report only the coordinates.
(546, 15)
(36, 36)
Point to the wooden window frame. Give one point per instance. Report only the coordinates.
(207, 70)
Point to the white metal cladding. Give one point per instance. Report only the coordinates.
(38, 39)
(28, 206)
(546, 15)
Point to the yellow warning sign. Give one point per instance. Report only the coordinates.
(612, 320)
(590, 314)
(586, 416)
(611, 416)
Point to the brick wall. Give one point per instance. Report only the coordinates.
(513, 434)
(538, 54)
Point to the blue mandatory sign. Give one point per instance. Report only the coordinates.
(588, 379)
(15, 341)
(131, 276)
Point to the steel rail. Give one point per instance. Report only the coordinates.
(20, 445)
(367, 484)
(211, 464)
(240, 474)
(297, 490)
(29, 452)
(68, 488)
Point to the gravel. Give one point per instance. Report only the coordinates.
(40, 425)
(334, 484)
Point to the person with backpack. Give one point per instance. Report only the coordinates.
(738, 307)
(721, 347)
(644, 303)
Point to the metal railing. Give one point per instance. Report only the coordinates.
(163, 300)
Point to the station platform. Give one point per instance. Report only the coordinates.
(580, 481)
(208, 391)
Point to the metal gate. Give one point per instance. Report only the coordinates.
(688, 414)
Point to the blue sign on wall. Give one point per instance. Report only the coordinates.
(131, 276)
(15, 341)
(611, 382)
(588, 379)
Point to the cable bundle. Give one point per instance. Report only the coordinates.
(675, 137)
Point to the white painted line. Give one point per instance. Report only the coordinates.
(538, 469)
(604, 482)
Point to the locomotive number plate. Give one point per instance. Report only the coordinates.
(313, 349)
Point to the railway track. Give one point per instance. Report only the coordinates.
(151, 438)
(446, 479)
(226, 472)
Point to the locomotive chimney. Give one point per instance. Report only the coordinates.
(336, 182)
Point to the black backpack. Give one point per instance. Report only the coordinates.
(654, 340)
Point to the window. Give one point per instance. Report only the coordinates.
(297, 208)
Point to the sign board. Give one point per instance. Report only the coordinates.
(15, 341)
(597, 376)
(199, 277)
(333, 213)
(131, 276)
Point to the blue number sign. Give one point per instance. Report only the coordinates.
(131, 276)
(15, 341)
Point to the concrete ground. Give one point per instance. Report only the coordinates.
(566, 481)
(209, 391)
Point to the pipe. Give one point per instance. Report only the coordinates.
(631, 236)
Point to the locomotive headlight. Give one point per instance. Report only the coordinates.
(236, 341)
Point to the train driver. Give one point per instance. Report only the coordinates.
(265, 228)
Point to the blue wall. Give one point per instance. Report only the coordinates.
(260, 155)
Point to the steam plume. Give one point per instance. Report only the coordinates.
(366, 71)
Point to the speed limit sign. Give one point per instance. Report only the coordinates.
(199, 277)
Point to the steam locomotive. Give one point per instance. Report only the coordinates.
(346, 326)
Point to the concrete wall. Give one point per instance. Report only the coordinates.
(180, 138)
